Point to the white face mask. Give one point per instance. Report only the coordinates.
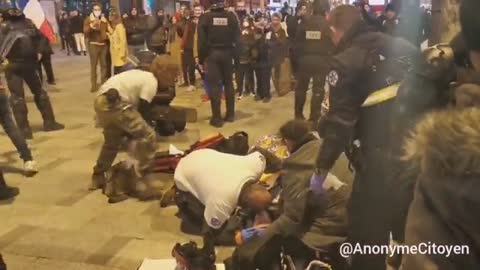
(97, 13)
(246, 24)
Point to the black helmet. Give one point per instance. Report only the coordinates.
(218, 4)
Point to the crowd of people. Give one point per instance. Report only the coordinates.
(405, 119)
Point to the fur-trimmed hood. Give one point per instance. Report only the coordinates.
(447, 143)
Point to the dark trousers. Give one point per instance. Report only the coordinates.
(310, 70)
(109, 63)
(11, 129)
(276, 69)
(46, 62)
(98, 56)
(263, 73)
(16, 74)
(219, 72)
(244, 78)
(188, 67)
(293, 60)
(368, 209)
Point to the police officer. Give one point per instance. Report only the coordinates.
(218, 39)
(21, 47)
(313, 48)
(362, 83)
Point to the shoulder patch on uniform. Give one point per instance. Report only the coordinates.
(215, 222)
(220, 21)
(332, 78)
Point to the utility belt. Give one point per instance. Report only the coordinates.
(358, 144)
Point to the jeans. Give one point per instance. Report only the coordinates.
(188, 67)
(244, 77)
(8, 124)
(263, 75)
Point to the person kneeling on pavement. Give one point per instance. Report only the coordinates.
(218, 189)
(311, 225)
(123, 108)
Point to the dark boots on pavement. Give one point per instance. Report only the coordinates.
(6, 192)
(45, 108)
(20, 112)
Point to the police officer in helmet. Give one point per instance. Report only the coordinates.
(218, 40)
(313, 48)
(362, 83)
(21, 46)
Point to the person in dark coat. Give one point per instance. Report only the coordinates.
(136, 26)
(306, 223)
(390, 22)
(445, 152)
(76, 23)
(46, 60)
(278, 46)
(261, 64)
(292, 25)
(244, 69)
(65, 31)
(158, 35)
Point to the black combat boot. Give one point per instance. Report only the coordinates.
(20, 113)
(6, 192)
(45, 108)
(216, 119)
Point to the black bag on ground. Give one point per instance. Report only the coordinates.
(236, 144)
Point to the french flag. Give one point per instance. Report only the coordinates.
(34, 11)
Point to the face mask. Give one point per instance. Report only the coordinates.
(246, 24)
(97, 13)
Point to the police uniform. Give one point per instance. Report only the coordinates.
(218, 36)
(20, 46)
(362, 83)
(313, 47)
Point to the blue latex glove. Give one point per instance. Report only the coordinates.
(316, 183)
(252, 232)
